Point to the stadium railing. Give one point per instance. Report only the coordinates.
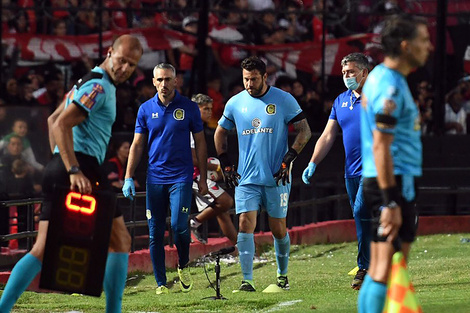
(434, 200)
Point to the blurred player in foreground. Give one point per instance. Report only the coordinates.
(391, 152)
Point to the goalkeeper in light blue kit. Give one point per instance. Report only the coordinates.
(261, 114)
(391, 152)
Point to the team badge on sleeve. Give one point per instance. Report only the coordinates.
(389, 106)
(178, 114)
(271, 109)
(89, 99)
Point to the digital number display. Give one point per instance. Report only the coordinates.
(77, 244)
(79, 218)
(73, 263)
(77, 202)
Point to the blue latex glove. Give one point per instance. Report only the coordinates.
(308, 172)
(129, 188)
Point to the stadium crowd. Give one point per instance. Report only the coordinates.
(29, 94)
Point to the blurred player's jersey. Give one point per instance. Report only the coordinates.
(386, 92)
(262, 126)
(346, 111)
(96, 95)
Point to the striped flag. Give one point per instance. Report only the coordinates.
(401, 296)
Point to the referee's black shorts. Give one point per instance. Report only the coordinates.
(373, 200)
(56, 174)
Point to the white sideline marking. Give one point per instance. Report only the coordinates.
(282, 305)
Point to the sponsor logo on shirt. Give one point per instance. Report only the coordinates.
(271, 109)
(178, 114)
(256, 123)
(89, 99)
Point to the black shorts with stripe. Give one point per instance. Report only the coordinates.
(373, 200)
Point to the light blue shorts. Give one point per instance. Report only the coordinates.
(252, 197)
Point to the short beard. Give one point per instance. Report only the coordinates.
(257, 91)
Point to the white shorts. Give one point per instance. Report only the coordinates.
(203, 202)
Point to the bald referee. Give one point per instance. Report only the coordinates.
(79, 132)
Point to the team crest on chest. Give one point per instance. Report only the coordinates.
(271, 109)
(178, 114)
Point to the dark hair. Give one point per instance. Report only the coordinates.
(53, 75)
(451, 94)
(20, 119)
(114, 146)
(359, 58)
(283, 80)
(19, 167)
(23, 81)
(15, 136)
(398, 28)
(56, 22)
(254, 63)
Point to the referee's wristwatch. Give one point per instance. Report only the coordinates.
(73, 170)
(392, 205)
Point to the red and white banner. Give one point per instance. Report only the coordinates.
(66, 48)
(305, 56)
(466, 60)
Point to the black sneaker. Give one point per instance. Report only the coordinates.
(196, 235)
(245, 286)
(358, 279)
(283, 282)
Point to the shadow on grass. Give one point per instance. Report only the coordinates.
(136, 278)
(318, 255)
(223, 277)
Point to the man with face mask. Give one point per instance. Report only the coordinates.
(345, 115)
